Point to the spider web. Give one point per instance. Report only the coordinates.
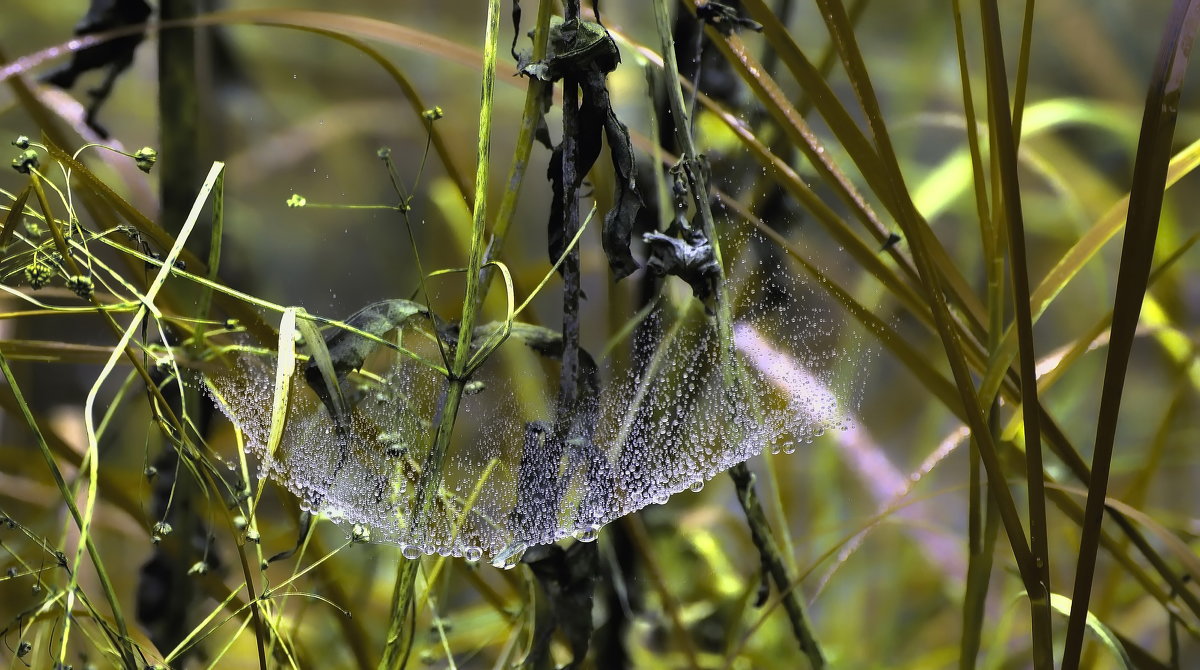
(666, 424)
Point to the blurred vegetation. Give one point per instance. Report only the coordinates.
(870, 144)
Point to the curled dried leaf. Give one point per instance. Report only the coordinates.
(690, 258)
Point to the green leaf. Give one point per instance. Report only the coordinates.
(348, 350)
(1062, 605)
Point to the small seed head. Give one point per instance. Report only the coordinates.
(25, 161)
(145, 158)
(82, 286)
(38, 274)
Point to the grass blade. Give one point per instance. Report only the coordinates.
(1137, 254)
(1063, 605)
(1005, 155)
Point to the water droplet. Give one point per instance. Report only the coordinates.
(697, 486)
(473, 553)
(588, 534)
(509, 557)
(411, 551)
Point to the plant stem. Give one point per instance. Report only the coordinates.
(530, 117)
(399, 640)
(1037, 577)
(178, 102)
(568, 386)
(742, 478)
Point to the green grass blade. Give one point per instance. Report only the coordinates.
(1069, 265)
(1137, 254)
(1062, 605)
(1009, 206)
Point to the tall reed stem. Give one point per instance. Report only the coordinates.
(399, 639)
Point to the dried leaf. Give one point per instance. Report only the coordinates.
(586, 53)
(691, 259)
(725, 19)
(567, 578)
(115, 55)
(348, 350)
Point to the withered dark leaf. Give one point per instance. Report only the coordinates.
(691, 259)
(567, 578)
(627, 201)
(349, 350)
(516, 19)
(575, 46)
(586, 53)
(115, 54)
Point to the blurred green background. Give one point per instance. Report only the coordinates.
(293, 112)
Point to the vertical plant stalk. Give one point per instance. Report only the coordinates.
(178, 104)
(1010, 204)
(982, 522)
(530, 117)
(568, 382)
(742, 478)
(1137, 254)
(178, 116)
(399, 637)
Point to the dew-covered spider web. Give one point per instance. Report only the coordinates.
(668, 413)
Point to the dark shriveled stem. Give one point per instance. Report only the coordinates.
(743, 480)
